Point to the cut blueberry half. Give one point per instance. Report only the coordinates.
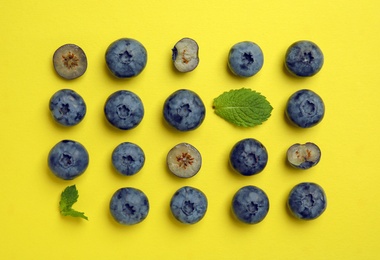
(184, 160)
(124, 110)
(245, 59)
(126, 58)
(68, 159)
(188, 205)
(305, 108)
(67, 107)
(307, 201)
(304, 59)
(248, 157)
(184, 110)
(129, 206)
(128, 158)
(250, 205)
(70, 61)
(303, 156)
(185, 55)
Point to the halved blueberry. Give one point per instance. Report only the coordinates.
(184, 160)
(303, 156)
(185, 55)
(70, 61)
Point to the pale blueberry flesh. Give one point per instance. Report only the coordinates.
(128, 158)
(184, 160)
(304, 59)
(250, 205)
(67, 107)
(129, 206)
(307, 201)
(68, 159)
(304, 156)
(124, 110)
(70, 61)
(126, 58)
(245, 59)
(184, 110)
(248, 157)
(185, 55)
(305, 108)
(188, 205)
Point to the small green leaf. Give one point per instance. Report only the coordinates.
(68, 197)
(243, 107)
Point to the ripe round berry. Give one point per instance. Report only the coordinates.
(128, 158)
(129, 206)
(70, 61)
(307, 201)
(248, 157)
(304, 59)
(126, 58)
(303, 156)
(305, 108)
(245, 59)
(67, 107)
(188, 205)
(68, 159)
(124, 109)
(184, 160)
(184, 110)
(185, 55)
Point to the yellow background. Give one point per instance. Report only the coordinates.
(349, 83)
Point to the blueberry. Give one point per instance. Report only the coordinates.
(184, 160)
(68, 159)
(188, 205)
(245, 59)
(303, 156)
(184, 110)
(128, 158)
(250, 205)
(305, 108)
(129, 206)
(67, 107)
(303, 59)
(70, 61)
(124, 109)
(307, 201)
(248, 157)
(185, 55)
(126, 58)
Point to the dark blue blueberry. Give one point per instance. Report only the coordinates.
(188, 205)
(129, 206)
(245, 59)
(67, 107)
(128, 158)
(68, 159)
(248, 157)
(250, 204)
(184, 110)
(307, 201)
(70, 61)
(126, 58)
(303, 59)
(185, 55)
(303, 156)
(124, 109)
(305, 108)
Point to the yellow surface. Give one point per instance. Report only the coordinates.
(349, 83)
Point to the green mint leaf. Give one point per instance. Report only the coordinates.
(243, 107)
(68, 197)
